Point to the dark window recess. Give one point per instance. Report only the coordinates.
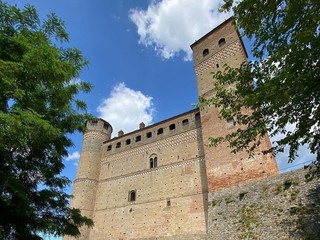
(197, 116)
(172, 126)
(242, 196)
(109, 148)
(128, 141)
(149, 134)
(205, 52)
(106, 126)
(231, 122)
(168, 203)
(118, 144)
(217, 65)
(222, 42)
(185, 122)
(160, 131)
(132, 196)
(153, 162)
(94, 123)
(138, 138)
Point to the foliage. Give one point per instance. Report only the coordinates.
(281, 87)
(38, 110)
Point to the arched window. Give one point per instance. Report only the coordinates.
(153, 161)
(222, 42)
(132, 196)
(205, 52)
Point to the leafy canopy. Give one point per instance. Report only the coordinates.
(38, 110)
(282, 85)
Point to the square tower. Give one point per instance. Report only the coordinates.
(223, 46)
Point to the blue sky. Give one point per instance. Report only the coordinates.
(139, 56)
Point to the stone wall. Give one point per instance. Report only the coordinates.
(281, 207)
(170, 199)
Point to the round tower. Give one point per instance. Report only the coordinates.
(86, 182)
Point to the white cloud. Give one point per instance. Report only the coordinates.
(126, 108)
(171, 26)
(73, 156)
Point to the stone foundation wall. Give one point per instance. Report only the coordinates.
(280, 207)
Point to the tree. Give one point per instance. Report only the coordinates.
(38, 109)
(281, 86)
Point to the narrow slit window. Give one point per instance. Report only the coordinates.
(132, 196)
(168, 203)
(197, 116)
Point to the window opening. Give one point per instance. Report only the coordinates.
(149, 134)
(197, 116)
(118, 144)
(132, 196)
(160, 131)
(172, 126)
(185, 122)
(217, 65)
(138, 138)
(128, 141)
(231, 122)
(105, 126)
(168, 203)
(205, 52)
(109, 148)
(222, 42)
(94, 123)
(153, 162)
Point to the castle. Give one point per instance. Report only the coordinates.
(153, 183)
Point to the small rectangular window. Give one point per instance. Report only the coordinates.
(128, 141)
(168, 203)
(94, 123)
(105, 126)
(138, 138)
(172, 126)
(160, 131)
(185, 122)
(149, 134)
(118, 144)
(109, 148)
